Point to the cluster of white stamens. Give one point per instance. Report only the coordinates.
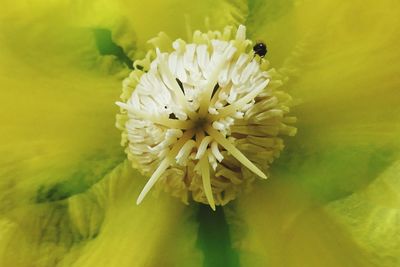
(199, 116)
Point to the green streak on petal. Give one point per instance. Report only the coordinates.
(106, 46)
(329, 172)
(214, 238)
(101, 227)
(87, 173)
(262, 12)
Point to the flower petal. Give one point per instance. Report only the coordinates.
(279, 225)
(340, 58)
(57, 111)
(176, 17)
(102, 227)
(133, 23)
(341, 66)
(372, 216)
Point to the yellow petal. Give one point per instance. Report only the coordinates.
(56, 108)
(102, 227)
(133, 23)
(340, 59)
(176, 17)
(372, 216)
(279, 225)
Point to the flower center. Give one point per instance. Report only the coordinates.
(200, 124)
(203, 118)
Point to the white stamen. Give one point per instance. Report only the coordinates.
(163, 166)
(198, 115)
(215, 151)
(234, 151)
(184, 153)
(205, 175)
(203, 146)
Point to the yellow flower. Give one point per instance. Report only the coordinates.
(68, 192)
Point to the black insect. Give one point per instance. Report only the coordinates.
(260, 49)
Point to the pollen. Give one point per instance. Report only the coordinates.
(203, 118)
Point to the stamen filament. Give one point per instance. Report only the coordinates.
(228, 110)
(153, 179)
(203, 146)
(205, 175)
(234, 151)
(170, 123)
(175, 87)
(212, 81)
(168, 161)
